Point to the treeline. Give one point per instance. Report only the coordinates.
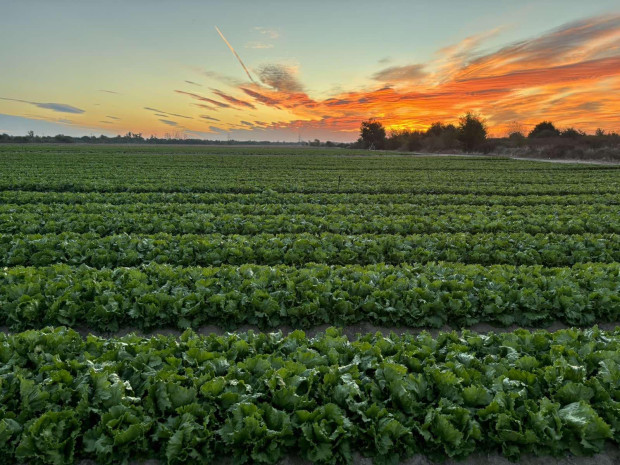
(470, 135)
(137, 138)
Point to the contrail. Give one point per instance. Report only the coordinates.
(235, 53)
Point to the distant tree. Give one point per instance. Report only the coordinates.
(472, 131)
(63, 138)
(544, 129)
(599, 132)
(572, 133)
(435, 129)
(517, 138)
(372, 134)
(315, 143)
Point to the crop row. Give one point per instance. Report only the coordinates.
(296, 185)
(257, 398)
(478, 221)
(296, 249)
(430, 295)
(363, 209)
(272, 197)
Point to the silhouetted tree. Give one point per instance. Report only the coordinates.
(372, 134)
(472, 131)
(544, 129)
(572, 133)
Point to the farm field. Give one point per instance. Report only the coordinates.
(205, 253)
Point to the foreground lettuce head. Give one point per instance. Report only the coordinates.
(260, 397)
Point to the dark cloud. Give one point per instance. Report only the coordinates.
(194, 83)
(57, 107)
(168, 122)
(106, 122)
(112, 117)
(210, 118)
(246, 123)
(400, 73)
(384, 61)
(109, 91)
(280, 78)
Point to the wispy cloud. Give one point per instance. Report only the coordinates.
(400, 73)
(166, 113)
(271, 33)
(193, 83)
(232, 100)
(112, 117)
(168, 122)
(203, 99)
(210, 118)
(258, 45)
(57, 107)
(109, 91)
(216, 76)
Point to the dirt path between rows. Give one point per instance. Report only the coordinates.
(495, 155)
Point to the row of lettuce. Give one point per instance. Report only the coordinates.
(297, 249)
(429, 295)
(293, 184)
(272, 197)
(604, 221)
(364, 210)
(257, 398)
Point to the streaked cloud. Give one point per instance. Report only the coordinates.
(168, 122)
(112, 117)
(109, 91)
(193, 83)
(232, 100)
(57, 107)
(166, 113)
(203, 99)
(400, 73)
(210, 118)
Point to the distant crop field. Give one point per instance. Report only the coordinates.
(193, 242)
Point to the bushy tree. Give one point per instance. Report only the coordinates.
(572, 133)
(472, 131)
(544, 129)
(372, 134)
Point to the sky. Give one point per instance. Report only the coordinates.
(305, 70)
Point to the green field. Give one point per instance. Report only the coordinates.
(113, 239)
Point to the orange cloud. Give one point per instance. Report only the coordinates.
(570, 75)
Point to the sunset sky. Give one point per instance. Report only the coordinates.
(316, 69)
